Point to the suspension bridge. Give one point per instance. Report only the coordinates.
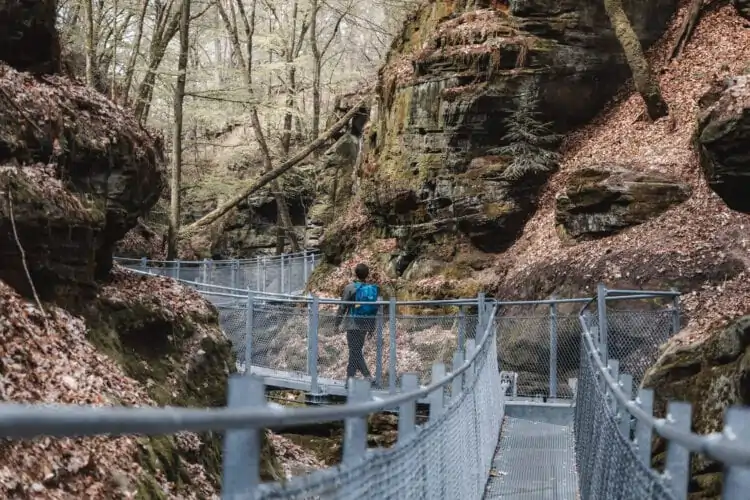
(527, 399)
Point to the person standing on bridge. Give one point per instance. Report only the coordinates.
(359, 320)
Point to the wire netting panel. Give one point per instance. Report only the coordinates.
(449, 457)
(634, 338)
(422, 341)
(525, 346)
(233, 320)
(607, 463)
(279, 338)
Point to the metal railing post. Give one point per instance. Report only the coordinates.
(601, 304)
(553, 349)
(407, 412)
(312, 345)
(249, 322)
(178, 265)
(144, 264)
(461, 327)
(379, 346)
(737, 478)
(235, 268)
(675, 313)
(355, 429)
(281, 276)
(304, 266)
(480, 315)
(265, 266)
(242, 448)
(257, 274)
(677, 462)
(392, 346)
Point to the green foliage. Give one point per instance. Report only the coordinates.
(531, 144)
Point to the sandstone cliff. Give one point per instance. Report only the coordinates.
(630, 203)
(76, 174)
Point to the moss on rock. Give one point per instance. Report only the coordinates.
(173, 345)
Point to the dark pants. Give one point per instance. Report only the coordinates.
(356, 341)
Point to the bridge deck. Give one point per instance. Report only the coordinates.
(533, 461)
(301, 382)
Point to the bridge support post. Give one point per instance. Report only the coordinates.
(241, 458)
(392, 346)
(312, 345)
(553, 349)
(601, 303)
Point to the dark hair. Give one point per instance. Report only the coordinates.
(362, 271)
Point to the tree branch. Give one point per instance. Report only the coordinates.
(271, 175)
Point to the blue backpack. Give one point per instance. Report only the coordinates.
(366, 292)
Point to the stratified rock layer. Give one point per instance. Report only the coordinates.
(452, 80)
(105, 172)
(603, 200)
(723, 140)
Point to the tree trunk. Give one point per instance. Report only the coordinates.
(271, 174)
(645, 83)
(179, 96)
(130, 68)
(90, 44)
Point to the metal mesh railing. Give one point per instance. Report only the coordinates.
(447, 457)
(284, 274)
(614, 422)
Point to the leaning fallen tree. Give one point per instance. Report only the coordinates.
(255, 185)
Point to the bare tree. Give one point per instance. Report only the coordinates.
(233, 32)
(318, 52)
(645, 83)
(179, 96)
(90, 43)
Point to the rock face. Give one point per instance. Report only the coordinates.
(107, 171)
(28, 39)
(447, 94)
(334, 179)
(603, 200)
(723, 140)
(713, 374)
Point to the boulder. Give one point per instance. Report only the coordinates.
(712, 373)
(28, 39)
(452, 82)
(106, 171)
(723, 141)
(600, 201)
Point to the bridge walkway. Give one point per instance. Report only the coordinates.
(533, 461)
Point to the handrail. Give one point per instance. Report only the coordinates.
(715, 445)
(25, 421)
(262, 258)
